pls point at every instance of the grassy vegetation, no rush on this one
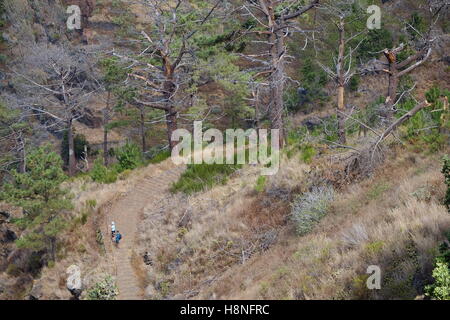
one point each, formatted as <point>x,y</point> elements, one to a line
<point>160,157</point>
<point>261,184</point>
<point>201,177</point>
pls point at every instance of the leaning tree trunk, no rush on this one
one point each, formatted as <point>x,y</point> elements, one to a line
<point>171,121</point>
<point>277,83</point>
<point>70,140</point>
<point>393,84</point>
<point>171,111</point>
<point>341,84</point>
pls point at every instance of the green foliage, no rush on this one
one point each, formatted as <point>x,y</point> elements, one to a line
<point>426,126</point>
<point>103,290</point>
<point>310,207</point>
<point>354,83</point>
<point>39,193</point>
<point>200,177</point>
<point>440,289</point>
<point>261,184</point>
<point>102,174</point>
<point>375,41</point>
<point>405,53</point>
<point>129,157</point>
<point>446,172</point>
<point>113,72</point>
<point>416,26</point>
<point>313,79</point>
<point>374,248</point>
<point>160,156</point>
<point>223,69</point>
<point>307,153</point>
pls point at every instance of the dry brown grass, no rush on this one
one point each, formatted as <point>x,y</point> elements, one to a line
<point>396,224</point>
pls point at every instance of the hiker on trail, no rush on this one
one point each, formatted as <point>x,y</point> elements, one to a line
<point>118,237</point>
<point>113,229</point>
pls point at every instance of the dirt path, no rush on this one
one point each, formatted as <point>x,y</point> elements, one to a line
<point>126,213</point>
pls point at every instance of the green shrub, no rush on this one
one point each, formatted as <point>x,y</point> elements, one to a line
<point>129,157</point>
<point>426,126</point>
<point>440,289</point>
<point>416,24</point>
<point>103,290</point>
<point>354,83</point>
<point>310,207</point>
<point>307,153</point>
<point>314,80</point>
<point>102,174</point>
<point>261,184</point>
<point>375,41</point>
<point>200,177</point>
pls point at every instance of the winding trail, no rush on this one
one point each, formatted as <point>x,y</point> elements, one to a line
<point>126,213</point>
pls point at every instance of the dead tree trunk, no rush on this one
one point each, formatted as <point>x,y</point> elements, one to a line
<point>341,84</point>
<point>106,115</point>
<point>395,72</point>
<point>70,140</point>
<point>275,29</point>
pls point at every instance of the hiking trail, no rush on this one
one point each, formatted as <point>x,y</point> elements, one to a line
<point>126,213</point>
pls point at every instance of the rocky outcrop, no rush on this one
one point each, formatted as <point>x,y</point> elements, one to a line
<point>74,283</point>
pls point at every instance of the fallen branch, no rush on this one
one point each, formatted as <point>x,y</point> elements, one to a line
<point>397,123</point>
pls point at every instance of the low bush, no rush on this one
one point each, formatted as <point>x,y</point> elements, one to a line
<point>310,207</point>
<point>307,153</point>
<point>103,290</point>
<point>129,157</point>
<point>440,289</point>
<point>102,174</point>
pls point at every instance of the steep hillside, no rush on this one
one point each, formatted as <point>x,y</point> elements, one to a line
<point>361,179</point>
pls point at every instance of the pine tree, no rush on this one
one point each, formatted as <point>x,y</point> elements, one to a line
<point>38,191</point>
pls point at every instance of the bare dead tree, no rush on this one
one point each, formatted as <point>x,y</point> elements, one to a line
<point>397,69</point>
<point>275,20</point>
<point>340,12</point>
<point>162,68</point>
<point>54,82</point>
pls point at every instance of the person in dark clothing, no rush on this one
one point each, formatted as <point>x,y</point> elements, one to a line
<point>118,237</point>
